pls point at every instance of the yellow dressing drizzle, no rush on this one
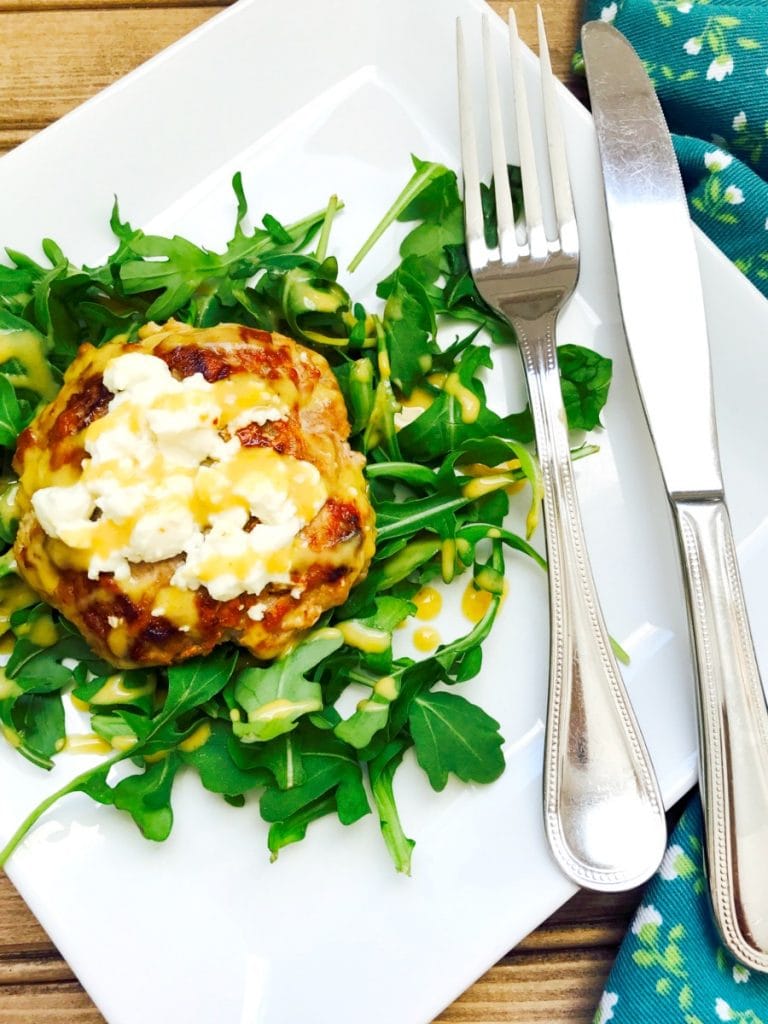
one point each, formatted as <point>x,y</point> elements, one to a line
<point>384,368</point>
<point>8,687</point>
<point>385,687</point>
<point>482,485</point>
<point>469,402</point>
<point>280,707</point>
<point>364,638</point>
<point>114,691</point>
<point>426,639</point>
<point>196,739</point>
<point>11,736</point>
<point>25,346</point>
<point>14,594</point>
<point>41,631</point>
<point>418,399</point>
<point>475,603</point>
<point>123,742</point>
<point>86,743</point>
<point>429,603</point>
<point>159,755</point>
<point>448,560</point>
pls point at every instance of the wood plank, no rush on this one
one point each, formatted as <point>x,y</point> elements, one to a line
<point>50,62</point>
<point>17,6</point>
<point>64,1003</point>
<point>529,988</point>
<point>19,930</point>
<point>31,968</point>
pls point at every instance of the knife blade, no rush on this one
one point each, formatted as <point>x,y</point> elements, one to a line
<point>662,306</point>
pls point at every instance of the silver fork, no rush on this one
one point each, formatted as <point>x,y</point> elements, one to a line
<point>602,809</point>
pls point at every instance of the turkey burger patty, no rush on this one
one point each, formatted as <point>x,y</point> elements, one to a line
<point>190,488</point>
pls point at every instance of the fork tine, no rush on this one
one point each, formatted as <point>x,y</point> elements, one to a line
<point>477,251</point>
<point>505,217</point>
<point>558,163</point>
<point>537,239</point>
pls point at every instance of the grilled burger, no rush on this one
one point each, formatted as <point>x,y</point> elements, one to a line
<point>193,487</point>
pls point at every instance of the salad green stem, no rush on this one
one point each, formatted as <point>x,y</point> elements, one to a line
<point>422,177</point>
<point>325,231</point>
<point>35,814</point>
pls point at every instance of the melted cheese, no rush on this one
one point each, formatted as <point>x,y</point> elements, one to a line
<point>167,477</point>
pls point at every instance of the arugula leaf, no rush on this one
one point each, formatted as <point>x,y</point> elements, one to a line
<point>39,720</point>
<point>586,377</point>
<point>452,735</point>
<point>147,797</point>
<point>409,324</point>
<point>173,266</point>
<point>196,681</point>
<point>275,698</point>
<point>216,766</point>
<point>37,669</point>
<point>329,765</point>
<point>495,452</point>
<point>281,757</point>
<point>399,519</point>
<point>372,714</point>
<point>315,306</point>
<point>381,771</point>
<point>405,206</point>
<point>355,378</point>
<point>294,828</point>
<point>445,425</point>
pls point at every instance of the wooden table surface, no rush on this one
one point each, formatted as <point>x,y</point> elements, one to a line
<point>54,54</point>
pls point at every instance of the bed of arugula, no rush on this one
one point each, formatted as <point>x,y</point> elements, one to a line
<point>310,761</point>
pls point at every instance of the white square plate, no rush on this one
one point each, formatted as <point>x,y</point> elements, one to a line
<point>308,99</point>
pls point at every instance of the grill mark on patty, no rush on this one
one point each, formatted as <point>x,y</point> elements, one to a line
<point>187,360</point>
<point>336,522</point>
<point>86,404</point>
<point>282,435</point>
<point>319,575</point>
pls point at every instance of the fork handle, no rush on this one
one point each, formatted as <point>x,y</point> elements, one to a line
<point>733,728</point>
<point>602,808</point>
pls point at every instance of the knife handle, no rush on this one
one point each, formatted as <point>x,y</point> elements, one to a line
<point>733,729</point>
<point>603,811</point>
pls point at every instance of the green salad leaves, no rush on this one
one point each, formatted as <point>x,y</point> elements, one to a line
<point>324,729</point>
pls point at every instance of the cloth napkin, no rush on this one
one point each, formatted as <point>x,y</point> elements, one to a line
<point>709,63</point>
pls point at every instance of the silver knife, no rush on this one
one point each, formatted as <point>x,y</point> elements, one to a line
<point>663,313</point>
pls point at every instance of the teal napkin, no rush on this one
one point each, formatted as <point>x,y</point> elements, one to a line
<point>709,63</point>
<point>672,967</point>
